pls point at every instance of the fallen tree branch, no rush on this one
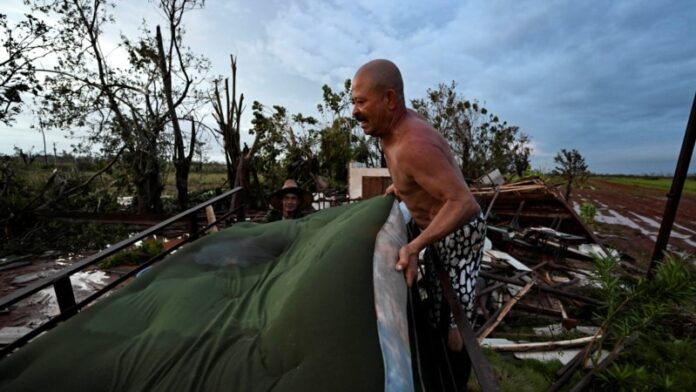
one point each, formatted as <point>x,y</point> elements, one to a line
<point>45,188</point>
<point>87,182</point>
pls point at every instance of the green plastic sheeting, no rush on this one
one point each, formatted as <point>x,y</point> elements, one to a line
<point>284,306</point>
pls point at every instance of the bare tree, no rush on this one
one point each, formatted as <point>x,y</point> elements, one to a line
<point>167,61</point>
<point>238,156</point>
<point>228,116</point>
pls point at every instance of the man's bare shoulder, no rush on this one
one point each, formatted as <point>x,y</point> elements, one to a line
<point>419,137</point>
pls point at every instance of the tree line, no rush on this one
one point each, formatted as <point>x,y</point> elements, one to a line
<point>150,111</point>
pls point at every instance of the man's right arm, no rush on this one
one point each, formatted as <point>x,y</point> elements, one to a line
<point>430,169</point>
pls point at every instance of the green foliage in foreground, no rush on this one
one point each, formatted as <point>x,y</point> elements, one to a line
<point>652,182</point>
<point>660,313</point>
<point>653,364</point>
<point>135,256</point>
<point>517,375</point>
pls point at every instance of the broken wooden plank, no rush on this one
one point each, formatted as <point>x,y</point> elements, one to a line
<point>210,215</point>
<point>504,311</point>
<point>541,345</point>
<point>482,368</point>
<point>530,308</point>
<point>564,355</point>
<point>507,258</point>
<point>566,372</point>
<point>542,287</point>
<point>498,285</point>
<point>585,381</point>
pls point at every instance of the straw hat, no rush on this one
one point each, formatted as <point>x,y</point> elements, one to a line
<point>290,186</point>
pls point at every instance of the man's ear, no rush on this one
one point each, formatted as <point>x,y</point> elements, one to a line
<point>391,98</point>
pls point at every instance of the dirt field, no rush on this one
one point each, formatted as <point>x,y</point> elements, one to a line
<point>629,217</point>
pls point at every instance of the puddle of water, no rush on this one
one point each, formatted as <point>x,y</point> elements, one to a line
<point>612,217</point>
<point>88,280</point>
<point>684,228</point>
<point>674,234</point>
<point>651,222</point>
<point>600,204</point>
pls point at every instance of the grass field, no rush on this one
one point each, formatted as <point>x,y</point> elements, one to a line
<point>198,181</point>
<point>37,175</point>
<point>651,182</point>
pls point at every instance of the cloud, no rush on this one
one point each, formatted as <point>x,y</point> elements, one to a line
<point>590,76</point>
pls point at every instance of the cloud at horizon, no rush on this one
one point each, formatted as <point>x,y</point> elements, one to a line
<point>612,80</point>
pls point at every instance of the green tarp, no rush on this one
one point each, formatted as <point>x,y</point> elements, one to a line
<point>285,306</point>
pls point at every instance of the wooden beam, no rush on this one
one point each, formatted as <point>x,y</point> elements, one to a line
<point>541,346</point>
<point>542,287</point>
<point>210,215</point>
<point>585,381</point>
<point>482,368</point>
<point>539,310</point>
<point>504,311</point>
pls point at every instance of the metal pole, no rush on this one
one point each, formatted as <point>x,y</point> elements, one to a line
<point>675,192</point>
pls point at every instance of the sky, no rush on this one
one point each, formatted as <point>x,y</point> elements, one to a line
<point>614,80</point>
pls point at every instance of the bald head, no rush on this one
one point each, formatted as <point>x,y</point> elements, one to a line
<point>382,75</point>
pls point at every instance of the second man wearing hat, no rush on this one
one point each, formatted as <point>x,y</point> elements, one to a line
<point>288,202</point>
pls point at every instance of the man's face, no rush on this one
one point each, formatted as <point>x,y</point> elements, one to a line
<point>369,107</point>
<point>290,203</point>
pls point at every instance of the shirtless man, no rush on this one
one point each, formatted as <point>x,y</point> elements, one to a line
<point>427,179</point>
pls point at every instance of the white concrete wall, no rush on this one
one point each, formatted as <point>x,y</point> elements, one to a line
<point>355,175</point>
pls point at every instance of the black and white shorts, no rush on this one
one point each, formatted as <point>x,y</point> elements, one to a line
<point>460,254</point>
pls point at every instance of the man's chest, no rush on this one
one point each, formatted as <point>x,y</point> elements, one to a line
<point>402,181</point>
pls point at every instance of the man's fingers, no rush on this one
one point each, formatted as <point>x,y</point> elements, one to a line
<point>409,273</point>
<point>408,263</point>
<point>401,265</point>
<point>410,276</point>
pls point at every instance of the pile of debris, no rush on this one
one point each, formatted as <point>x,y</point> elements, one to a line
<point>537,271</point>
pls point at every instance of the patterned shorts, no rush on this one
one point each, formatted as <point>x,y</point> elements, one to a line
<point>460,253</point>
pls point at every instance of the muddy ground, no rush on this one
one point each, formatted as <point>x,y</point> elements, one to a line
<point>628,218</point>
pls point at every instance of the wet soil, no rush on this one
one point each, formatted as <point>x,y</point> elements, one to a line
<point>39,307</point>
<point>629,217</point>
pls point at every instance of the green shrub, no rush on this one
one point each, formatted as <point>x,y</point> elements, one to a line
<point>136,255</point>
<point>661,313</point>
<point>588,213</point>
